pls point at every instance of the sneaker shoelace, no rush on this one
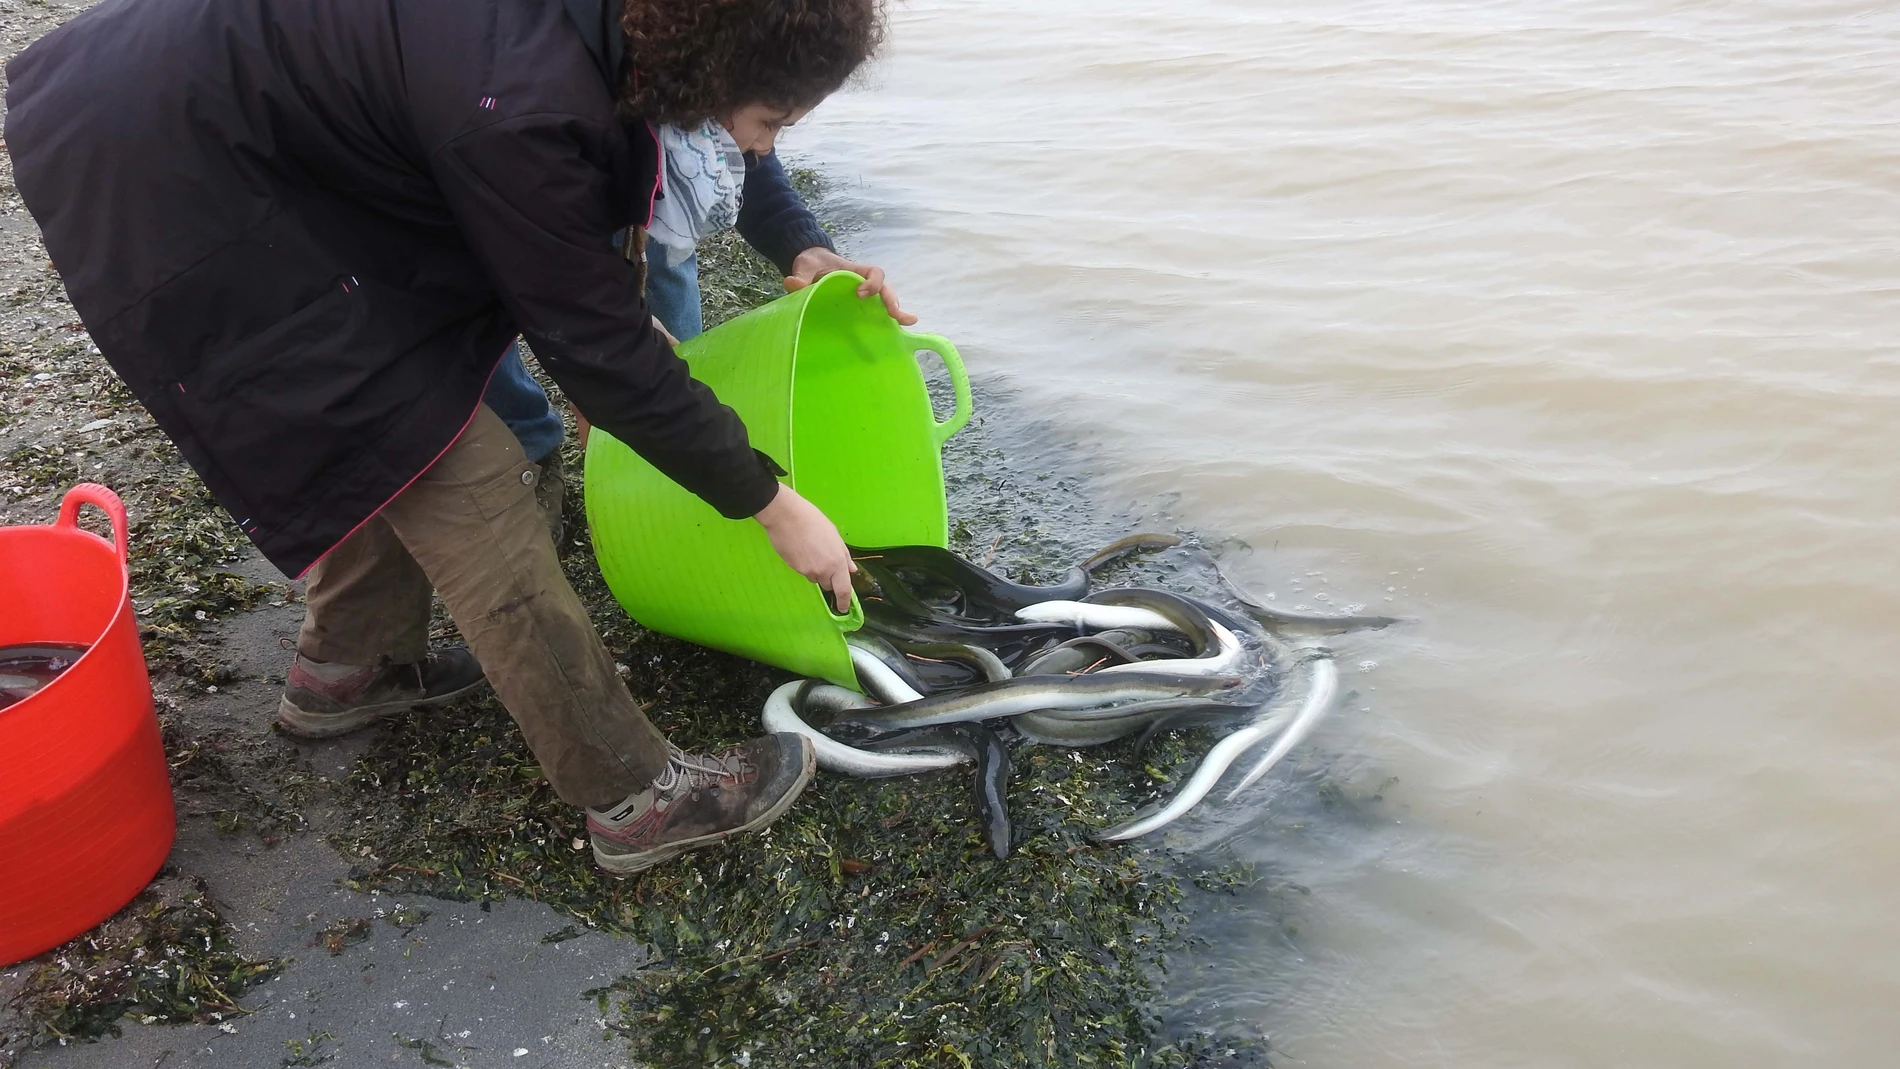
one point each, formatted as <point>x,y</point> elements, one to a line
<point>689,771</point>
<point>410,675</point>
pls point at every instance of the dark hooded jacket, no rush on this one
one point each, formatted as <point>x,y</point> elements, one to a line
<point>304,233</point>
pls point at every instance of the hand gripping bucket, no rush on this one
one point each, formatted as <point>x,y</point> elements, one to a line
<point>85,796</point>
<point>828,385</point>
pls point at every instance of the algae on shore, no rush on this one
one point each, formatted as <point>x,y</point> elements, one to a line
<point>165,959</point>
<point>868,927</point>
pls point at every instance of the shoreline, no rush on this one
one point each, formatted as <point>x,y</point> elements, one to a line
<point>361,885</point>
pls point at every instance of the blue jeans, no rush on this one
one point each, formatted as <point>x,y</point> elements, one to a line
<point>672,293</point>
<point>523,405</point>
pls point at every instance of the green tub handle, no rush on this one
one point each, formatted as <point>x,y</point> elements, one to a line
<point>850,621</point>
<point>959,379</point>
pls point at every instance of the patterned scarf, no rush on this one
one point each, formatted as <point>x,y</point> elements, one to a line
<point>704,181</point>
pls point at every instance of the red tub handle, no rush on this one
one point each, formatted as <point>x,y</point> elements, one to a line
<point>108,503</point>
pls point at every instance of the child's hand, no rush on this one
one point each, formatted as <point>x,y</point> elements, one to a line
<point>817,262</point>
<point>810,544</point>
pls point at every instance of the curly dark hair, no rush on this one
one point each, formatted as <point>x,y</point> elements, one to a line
<point>692,60</point>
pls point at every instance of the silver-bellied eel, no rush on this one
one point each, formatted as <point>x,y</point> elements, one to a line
<point>835,756</point>
<point>1268,719</point>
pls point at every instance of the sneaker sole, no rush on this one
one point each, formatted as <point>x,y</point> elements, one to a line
<point>304,724</point>
<point>628,864</point>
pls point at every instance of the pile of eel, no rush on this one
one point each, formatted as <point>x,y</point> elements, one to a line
<point>954,660</point>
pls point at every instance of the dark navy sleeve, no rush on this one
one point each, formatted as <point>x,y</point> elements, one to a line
<point>773,218</point>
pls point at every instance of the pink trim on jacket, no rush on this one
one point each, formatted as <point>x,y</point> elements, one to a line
<point>425,468</point>
<point>659,173</point>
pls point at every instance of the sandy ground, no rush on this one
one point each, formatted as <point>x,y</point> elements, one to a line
<point>459,984</point>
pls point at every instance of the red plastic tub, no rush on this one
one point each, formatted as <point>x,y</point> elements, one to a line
<point>85,797</point>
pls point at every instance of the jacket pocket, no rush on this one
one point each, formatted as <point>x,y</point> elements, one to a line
<point>313,330</point>
<point>293,407</point>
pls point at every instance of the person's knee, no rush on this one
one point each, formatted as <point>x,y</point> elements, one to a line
<point>485,450</point>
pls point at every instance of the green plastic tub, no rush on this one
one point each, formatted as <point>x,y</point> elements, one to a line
<point>829,386</point>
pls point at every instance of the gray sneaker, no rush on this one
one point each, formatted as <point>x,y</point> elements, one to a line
<point>697,800</point>
<point>322,700</point>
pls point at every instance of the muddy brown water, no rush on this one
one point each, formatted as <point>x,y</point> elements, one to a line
<point>1570,330</point>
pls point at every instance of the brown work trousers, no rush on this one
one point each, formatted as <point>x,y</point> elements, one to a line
<point>470,529</point>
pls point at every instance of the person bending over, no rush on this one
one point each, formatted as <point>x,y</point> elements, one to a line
<point>768,213</point>
<point>305,234</point>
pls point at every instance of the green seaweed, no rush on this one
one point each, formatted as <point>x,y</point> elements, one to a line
<point>240,786</point>
<point>167,958</point>
<point>408,918</point>
<point>561,935</point>
<point>869,924</point>
<point>423,1047</point>
<point>308,1051</point>
<point>341,934</point>
<point>182,549</point>
<point>868,927</point>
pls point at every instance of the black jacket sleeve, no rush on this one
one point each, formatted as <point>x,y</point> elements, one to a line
<point>534,197</point>
<point>773,218</point>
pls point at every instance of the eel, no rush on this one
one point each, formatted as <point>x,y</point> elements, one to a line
<point>881,679</point>
<point>981,591</point>
<point>783,711</point>
<point>1092,617</point>
<point>1224,658</point>
<point>1268,719</point>
<point>988,664</point>
<point>1184,614</point>
<point>1319,622</point>
<point>1036,694</point>
<point>1057,729</point>
<point>1321,696</point>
